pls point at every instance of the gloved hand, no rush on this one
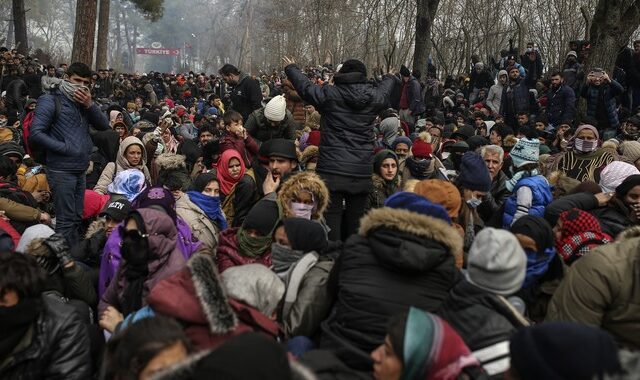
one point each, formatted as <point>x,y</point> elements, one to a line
<point>58,245</point>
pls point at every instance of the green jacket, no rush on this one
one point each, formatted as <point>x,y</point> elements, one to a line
<point>603,289</point>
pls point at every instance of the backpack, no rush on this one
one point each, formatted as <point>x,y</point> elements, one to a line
<point>228,205</point>
<point>38,152</point>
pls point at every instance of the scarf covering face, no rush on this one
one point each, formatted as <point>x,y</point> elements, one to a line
<point>283,258</point>
<point>68,89</point>
<point>225,179</point>
<point>541,232</point>
<point>432,349</point>
<point>581,232</point>
<point>210,206</point>
<point>135,269</point>
<point>252,246</point>
<point>581,147</point>
<point>256,246</point>
<point>129,183</point>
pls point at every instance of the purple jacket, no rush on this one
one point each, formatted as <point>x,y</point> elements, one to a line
<point>110,261</point>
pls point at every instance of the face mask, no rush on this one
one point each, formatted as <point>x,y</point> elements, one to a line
<point>302,210</point>
<point>585,146</point>
<point>473,203</point>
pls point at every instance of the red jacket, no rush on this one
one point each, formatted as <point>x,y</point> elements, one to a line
<point>228,255</point>
<point>248,148</point>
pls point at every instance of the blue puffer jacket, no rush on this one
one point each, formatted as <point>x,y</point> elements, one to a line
<point>541,192</point>
<point>67,141</point>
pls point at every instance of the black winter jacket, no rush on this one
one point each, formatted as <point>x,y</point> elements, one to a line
<point>399,259</point>
<point>259,128</point>
<point>484,321</point>
<point>561,106</point>
<point>58,348</point>
<point>246,96</point>
<point>348,111</point>
<point>491,209</point>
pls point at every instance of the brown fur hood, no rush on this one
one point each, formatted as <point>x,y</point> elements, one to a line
<point>304,181</point>
<point>95,227</point>
<point>413,223</point>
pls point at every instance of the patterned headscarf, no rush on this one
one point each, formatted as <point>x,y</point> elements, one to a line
<point>432,349</point>
<point>129,183</point>
<point>581,232</point>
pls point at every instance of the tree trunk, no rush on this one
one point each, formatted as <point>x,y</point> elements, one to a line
<point>425,13</point>
<point>20,26</point>
<point>85,31</point>
<point>613,23</point>
<point>103,35</point>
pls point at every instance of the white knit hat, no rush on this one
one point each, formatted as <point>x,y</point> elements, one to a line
<point>614,173</point>
<point>276,109</point>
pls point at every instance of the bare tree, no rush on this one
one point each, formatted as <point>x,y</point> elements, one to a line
<point>425,14</point>
<point>20,26</point>
<point>103,34</point>
<point>85,32</point>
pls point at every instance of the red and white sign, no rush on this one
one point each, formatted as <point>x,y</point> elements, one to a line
<point>158,51</point>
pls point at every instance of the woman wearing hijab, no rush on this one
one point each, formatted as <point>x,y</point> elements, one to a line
<point>149,254</point>
<point>385,178</point>
<point>200,209</point>
<point>131,155</point>
<point>421,345</point>
<point>159,199</point>
<point>298,254</point>
<point>584,160</point>
<point>115,117</point>
<point>544,266</point>
<point>231,169</point>
<point>250,243</point>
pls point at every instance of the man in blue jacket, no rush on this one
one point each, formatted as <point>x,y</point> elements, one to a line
<point>348,108</point>
<point>561,104</point>
<point>61,127</point>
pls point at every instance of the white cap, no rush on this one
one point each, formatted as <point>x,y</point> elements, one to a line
<point>276,109</point>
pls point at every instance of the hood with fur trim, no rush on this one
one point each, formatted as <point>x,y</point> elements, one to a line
<point>304,181</point>
<point>406,239</point>
<point>171,161</point>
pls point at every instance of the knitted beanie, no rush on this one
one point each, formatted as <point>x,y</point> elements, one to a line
<point>562,350</point>
<point>474,174</point>
<point>421,149</point>
<point>614,173</point>
<point>401,140</point>
<point>418,204</point>
<point>630,151</point>
<point>496,262</point>
<point>441,192</point>
<point>526,151</point>
<point>276,109</point>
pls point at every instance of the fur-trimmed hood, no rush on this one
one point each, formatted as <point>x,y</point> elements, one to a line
<point>628,234</point>
<point>424,228</point>
<point>304,181</point>
<point>196,295</point>
<point>95,227</point>
<point>171,161</point>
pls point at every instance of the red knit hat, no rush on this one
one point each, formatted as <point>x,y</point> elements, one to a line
<point>421,149</point>
<point>314,138</point>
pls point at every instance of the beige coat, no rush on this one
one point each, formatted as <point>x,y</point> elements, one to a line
<point>201,226</point>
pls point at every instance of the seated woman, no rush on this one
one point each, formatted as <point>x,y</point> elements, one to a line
<point>420,345</point>
<point>386,180</point>
<point>200,209</point>
<point>250,243</point>
<point>156,198</point>
<point>131,155</point>
<point>230,170</point>
<point>149,254</point>
<point>299,257</point>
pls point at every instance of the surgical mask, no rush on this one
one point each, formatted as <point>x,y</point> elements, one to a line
<point>302,210</point>
<point>474,203</point>
<point>585,146</point>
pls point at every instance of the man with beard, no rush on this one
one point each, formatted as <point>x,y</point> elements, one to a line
<point>246,96</point>
<point>277,159</point>
<point>490,210</point>
<point>516,97</point>
<point>561,103</point>
<point>40,337</point>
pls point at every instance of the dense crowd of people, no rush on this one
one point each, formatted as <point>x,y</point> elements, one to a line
<point>321,222</point>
